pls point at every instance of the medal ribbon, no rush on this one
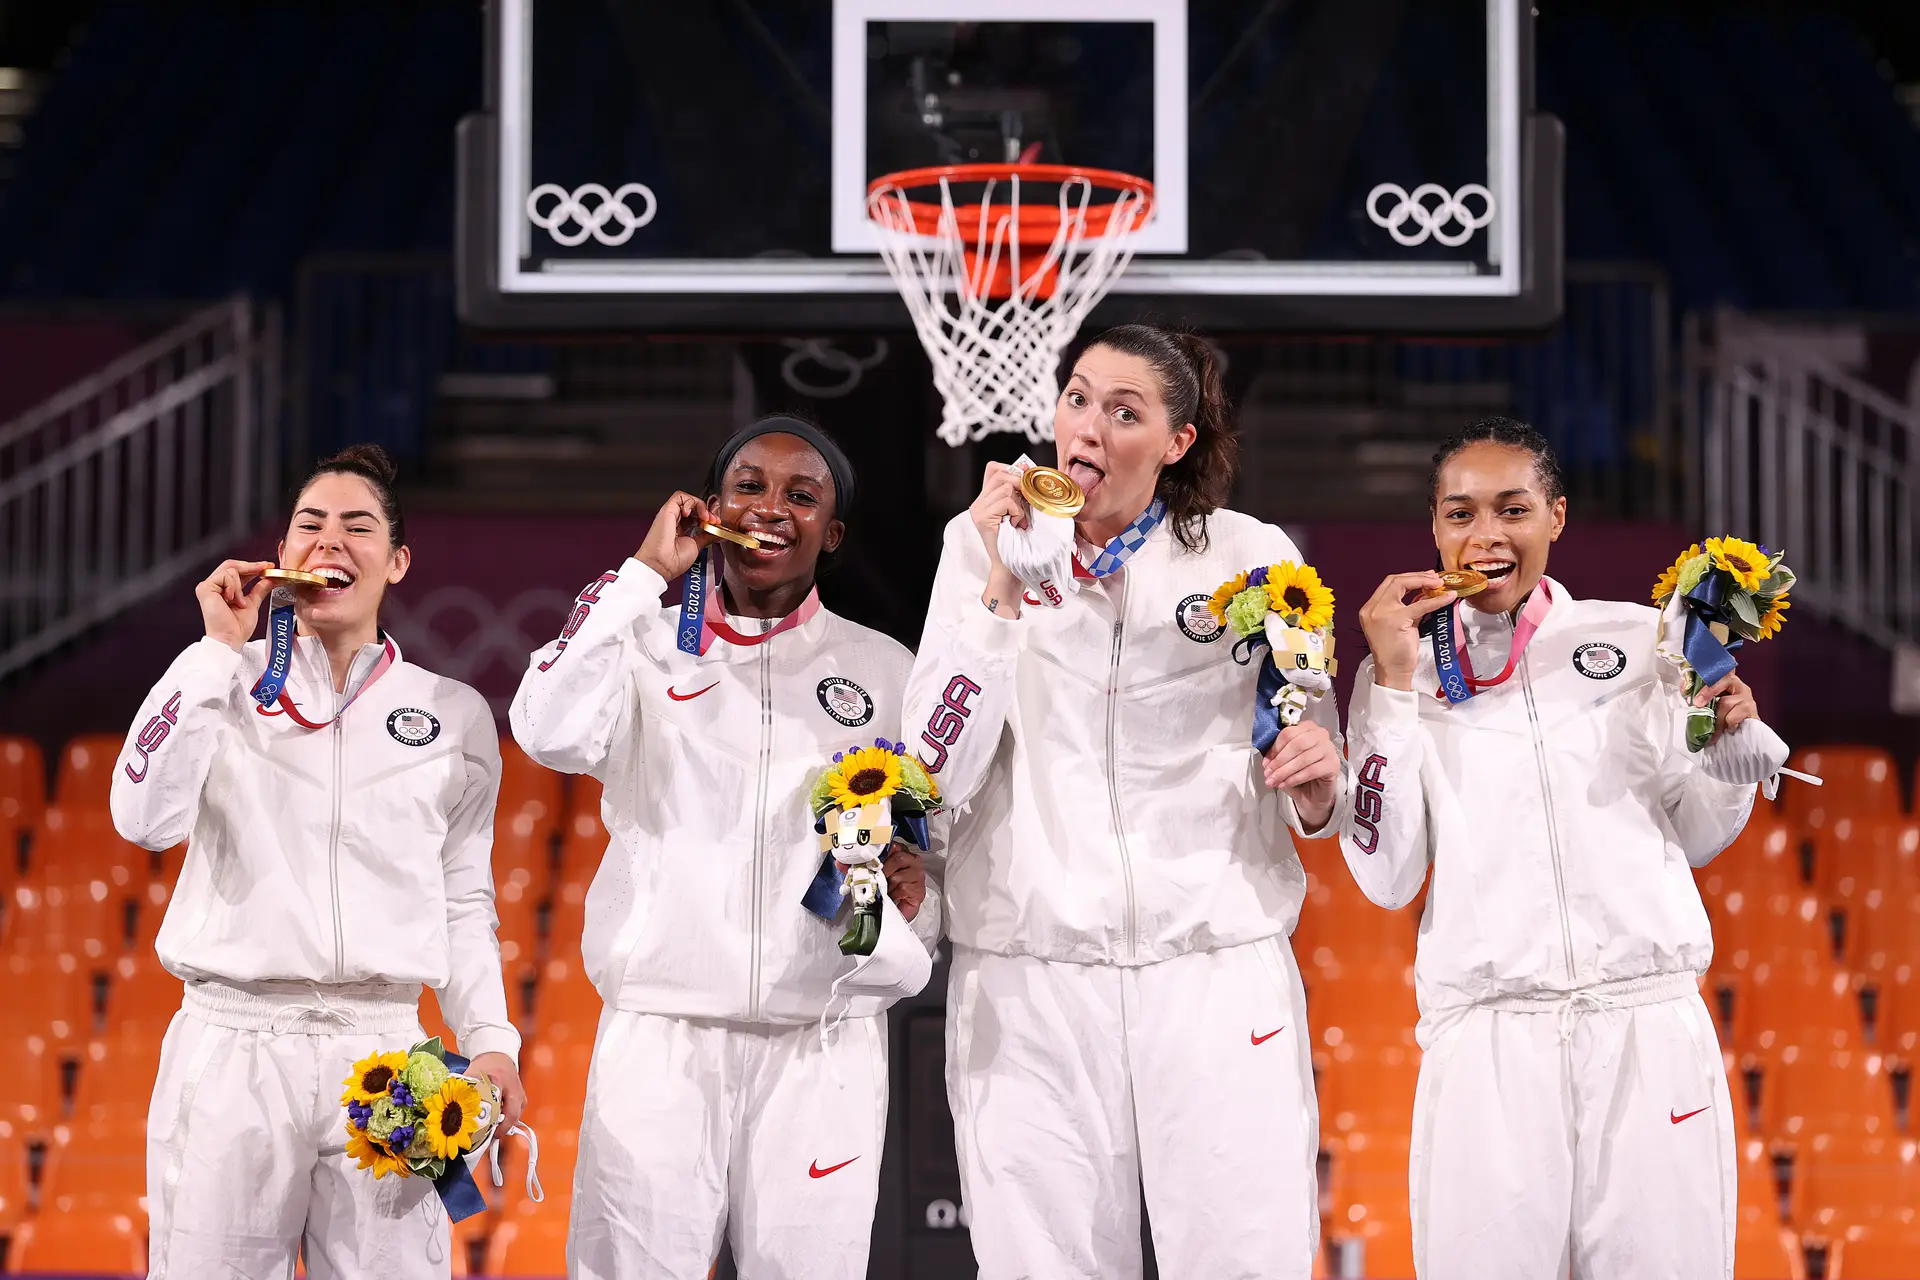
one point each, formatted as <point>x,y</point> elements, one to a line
<point>1455,668</point>
<point>1129,540</point>
<point>698,631</point>
<point>272,685</point>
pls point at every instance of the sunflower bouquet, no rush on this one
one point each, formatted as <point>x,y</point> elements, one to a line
<point>1715,596</point>
<point>856,804</point>
<point>414,1114</point>
<point>1286,608</point>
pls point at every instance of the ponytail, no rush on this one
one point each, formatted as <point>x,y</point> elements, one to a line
<point>1190,387</point>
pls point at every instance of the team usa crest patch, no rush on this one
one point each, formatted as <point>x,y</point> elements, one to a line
<point>1196,620</point>
<point>1599,660</point>
<point>845,701</point>
<point>412,727</point>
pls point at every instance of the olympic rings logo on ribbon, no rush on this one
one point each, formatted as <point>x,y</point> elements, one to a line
<point>1448,221</point>
<point>572,207</point>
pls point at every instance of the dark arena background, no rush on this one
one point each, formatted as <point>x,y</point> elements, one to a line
<point>237,236</point>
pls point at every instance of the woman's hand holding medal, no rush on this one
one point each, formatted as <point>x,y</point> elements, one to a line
<point>999,500</point>
<point>675,541</point>
<point>1391,620</point>
<point>229,608</point>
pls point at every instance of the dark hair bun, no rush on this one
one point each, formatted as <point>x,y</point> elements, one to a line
<point>371,457</point>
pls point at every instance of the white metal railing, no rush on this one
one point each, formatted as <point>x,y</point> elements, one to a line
<point>135,474</point>
<point>1798,453</point>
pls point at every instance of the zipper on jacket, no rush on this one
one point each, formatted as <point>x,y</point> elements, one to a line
<point>1553,826</point>
<point>1113,763</point>
<point>760,827</point>
<point>333,834</point>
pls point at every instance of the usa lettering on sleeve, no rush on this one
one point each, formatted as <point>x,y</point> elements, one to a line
<point>1369,802</point>
<point>947,722</point>
<point>582,607</point>
<point>152,734</point>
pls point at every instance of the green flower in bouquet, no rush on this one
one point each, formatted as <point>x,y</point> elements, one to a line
<point>388,1115</point>
<point>424,1074</point>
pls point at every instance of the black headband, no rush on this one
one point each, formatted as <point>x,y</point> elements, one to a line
<point>779,424</point>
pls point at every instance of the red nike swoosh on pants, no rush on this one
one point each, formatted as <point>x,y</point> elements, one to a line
<point>1690,1115</point>
<point>815,1171</point>
<point>689,697</point>
<point>1260,1040</point>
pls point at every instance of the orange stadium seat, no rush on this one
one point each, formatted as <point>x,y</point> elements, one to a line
<point>86,1241</point>
<point>1859,782</point>
<point>14,1191</point>
<point>1842,1183</point>
<point>150,913</point>
<point>1880,1253</point>
<point>23,781</point>
<point>1898,1012</point>
<point>555,1073</point>
<point>1812,1006</point>
<point>565,1004</point>
<point>29,1083</point>
<point>1369,1201</point>
<point>141,994</point>
<point>432,1021</point>
<point>521,855</point>
<point>527,789</point>
<point>99,1163</point>
<point>72,843</point>
<point>582,843</point>
<point>85,778</point>
<point>1763,1247</point>
<point>1841,1093</point>
<point>47,995</point>
<point>518,910</point>
<point>1765,856</point>
<point>117,1073</point>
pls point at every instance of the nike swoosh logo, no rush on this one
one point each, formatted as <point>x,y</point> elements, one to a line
<point>1690,1115</point>
<point>1260,1040</point>
<point>815,1171</point>
<point>689,697</point>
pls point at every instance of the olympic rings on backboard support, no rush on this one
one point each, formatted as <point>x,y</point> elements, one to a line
<point>572,207</point>
<point>1431,219</point>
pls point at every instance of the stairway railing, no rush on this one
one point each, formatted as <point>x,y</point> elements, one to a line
<point>134,474</point>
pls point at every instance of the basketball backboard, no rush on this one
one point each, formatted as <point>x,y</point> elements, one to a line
<point>1316,164</point>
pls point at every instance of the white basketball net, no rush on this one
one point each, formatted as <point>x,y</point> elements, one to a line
<point>994,358</point>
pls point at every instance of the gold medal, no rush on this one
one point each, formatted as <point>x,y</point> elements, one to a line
<point>295,577</point>
<point>734,536</point>
<point>1462,582</point>
<point>1051,492</point>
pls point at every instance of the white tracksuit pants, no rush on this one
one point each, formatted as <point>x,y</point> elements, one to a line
<point>1073,1086</point>
<point>1594,1132</point>
<point>693,1126</point>
<point>246,1140</point>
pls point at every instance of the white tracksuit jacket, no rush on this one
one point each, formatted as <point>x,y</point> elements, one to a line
<point>1561,811</point>
<point>359,853</point>
<point>1117,813</point>
<point>707,762</point>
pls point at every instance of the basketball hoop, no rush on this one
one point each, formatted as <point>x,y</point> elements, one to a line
<point>999,264</point>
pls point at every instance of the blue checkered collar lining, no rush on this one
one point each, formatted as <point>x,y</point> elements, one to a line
<point>1115,555</point>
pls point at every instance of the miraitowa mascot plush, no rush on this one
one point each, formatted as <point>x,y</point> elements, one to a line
<point>1288,610</point>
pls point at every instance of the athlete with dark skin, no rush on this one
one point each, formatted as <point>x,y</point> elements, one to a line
<point>777,488</point>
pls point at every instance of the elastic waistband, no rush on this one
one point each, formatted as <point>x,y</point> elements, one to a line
<point>306,1008</point>
<point>1621,994</point>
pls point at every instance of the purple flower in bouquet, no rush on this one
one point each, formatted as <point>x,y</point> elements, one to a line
<point>401,1095</point>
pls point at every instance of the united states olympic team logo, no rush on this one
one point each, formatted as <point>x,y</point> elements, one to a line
<point>1599,660</point>
<point>1430,210</point>
<point>1196,620</point>
<point>586,211</point>
<point>845,701</point>
<point>412,727</point>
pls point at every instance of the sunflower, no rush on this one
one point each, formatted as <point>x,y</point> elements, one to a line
<point>1670,578</point>
<point>1747,563</point>
<point>373,1155</point>
<point>372,1076</point>
<point>864,776</point>
<point>1774,618</point>
<point>453,1115</point>
<point>1296,591</point>
<point>1224,595</point>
